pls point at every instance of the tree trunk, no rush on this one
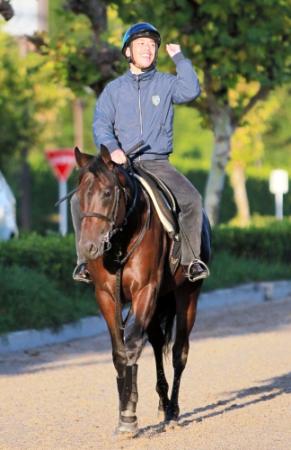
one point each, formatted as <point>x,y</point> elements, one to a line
<point>78,109</point>
<point>223,131</point>
<point>238,182</point>
<point>25,189</point>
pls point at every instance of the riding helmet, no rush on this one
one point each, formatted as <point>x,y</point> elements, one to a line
<point>142,29</point>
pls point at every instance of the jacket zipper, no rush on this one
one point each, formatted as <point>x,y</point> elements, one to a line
<point>139,105</point>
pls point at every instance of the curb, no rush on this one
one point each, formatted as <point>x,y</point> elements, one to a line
<point>252,293</point>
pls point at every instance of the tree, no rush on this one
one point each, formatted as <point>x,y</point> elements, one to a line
<point>248,145</point>
<point>229,42</point>
<point>79,45</point>
<point>29,102</point>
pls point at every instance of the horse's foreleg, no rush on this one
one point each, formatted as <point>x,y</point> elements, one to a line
<point>108,308</point>
<point>186,313</point>
<point>157,340</point>
<point>134,338</point>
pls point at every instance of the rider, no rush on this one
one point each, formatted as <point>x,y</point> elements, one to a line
<point>138,106</point>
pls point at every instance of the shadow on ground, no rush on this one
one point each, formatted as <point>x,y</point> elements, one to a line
<point>266,391</point>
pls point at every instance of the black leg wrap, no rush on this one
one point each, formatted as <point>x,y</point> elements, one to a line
<point>129,394</point>
<point>120,384</point>
<point>127,388</point>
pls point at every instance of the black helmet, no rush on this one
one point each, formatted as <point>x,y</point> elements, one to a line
<point>142,29</point>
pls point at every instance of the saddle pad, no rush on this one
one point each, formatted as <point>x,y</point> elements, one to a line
<point>168,226</point>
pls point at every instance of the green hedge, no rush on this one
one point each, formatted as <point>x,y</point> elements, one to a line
<point>55,257</point>
<point>37,289</point>
<point>51,255</point>
<point>29,299</point>
<point>269,244</point>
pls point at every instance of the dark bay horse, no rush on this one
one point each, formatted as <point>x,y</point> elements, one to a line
<point>128,259</point>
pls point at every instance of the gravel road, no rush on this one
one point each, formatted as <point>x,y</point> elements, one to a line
<point>234,392</point>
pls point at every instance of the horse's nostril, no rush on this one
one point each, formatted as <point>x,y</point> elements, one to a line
<point>90,248</point>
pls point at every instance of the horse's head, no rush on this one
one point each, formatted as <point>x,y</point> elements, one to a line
<point>102,199</point>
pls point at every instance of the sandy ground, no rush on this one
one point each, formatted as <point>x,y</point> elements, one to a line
<point>235,391</point>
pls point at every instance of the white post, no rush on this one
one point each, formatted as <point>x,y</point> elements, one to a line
<point>279,185</point>
<point>279,205</point>
<point>63,210</point>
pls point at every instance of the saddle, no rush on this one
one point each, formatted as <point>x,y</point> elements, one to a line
<point>167,210</point>
<point>163,200</point>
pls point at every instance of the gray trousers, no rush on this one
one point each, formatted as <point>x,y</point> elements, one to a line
<point>190,204</point>
<point>189,201</point>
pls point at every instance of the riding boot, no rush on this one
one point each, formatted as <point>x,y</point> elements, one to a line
<point>129,397</point>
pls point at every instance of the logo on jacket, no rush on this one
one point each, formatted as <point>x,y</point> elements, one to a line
<point>156,100</point>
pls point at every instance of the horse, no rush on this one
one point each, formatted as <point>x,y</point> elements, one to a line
<point>127,250</point>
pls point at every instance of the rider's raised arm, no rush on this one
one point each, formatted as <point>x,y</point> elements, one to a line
<point>186,86</point>
<point>103,122</point>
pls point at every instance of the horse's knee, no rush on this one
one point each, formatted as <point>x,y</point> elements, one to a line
<point>134,337</point>
<point>119,361</point>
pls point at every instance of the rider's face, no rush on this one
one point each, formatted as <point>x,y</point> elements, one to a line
<point>142,52</point>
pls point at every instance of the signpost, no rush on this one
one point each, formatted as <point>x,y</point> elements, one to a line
<point>278,185</point>
<point>62,162</point>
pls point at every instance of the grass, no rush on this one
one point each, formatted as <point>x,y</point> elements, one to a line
<point>227,271</point>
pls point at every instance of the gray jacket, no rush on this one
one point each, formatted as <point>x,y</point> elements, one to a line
<point>135,108</point>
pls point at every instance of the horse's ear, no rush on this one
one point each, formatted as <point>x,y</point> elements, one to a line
<point>82,159</point>
<point>105,155</point>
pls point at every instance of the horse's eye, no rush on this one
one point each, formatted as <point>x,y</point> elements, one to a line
<point>107,193</point>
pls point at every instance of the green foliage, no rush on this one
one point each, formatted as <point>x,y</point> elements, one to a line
<point>277,140</point>
<point>82,44</point>
<point>228,40</point>
<point>52,255</point>
<point>29,299</point>
<point>271,244</point>
<point>29,101</point>
<point>37,290</point>
<point>228,269</point>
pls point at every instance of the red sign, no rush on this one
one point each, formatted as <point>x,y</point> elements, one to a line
<point>62,161</point>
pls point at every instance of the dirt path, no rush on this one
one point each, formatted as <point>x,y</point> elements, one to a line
<point>234,393</point>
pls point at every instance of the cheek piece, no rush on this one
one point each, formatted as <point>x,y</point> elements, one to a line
<point>130,59</point>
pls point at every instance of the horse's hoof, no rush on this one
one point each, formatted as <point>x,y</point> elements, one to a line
<point>171,424</point>
<point>172,414</point>
<point>126,430</point>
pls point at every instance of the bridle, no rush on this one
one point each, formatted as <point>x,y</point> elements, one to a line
<point>112,217</point>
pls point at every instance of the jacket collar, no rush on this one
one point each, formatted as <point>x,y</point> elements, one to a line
<point>141,76</point>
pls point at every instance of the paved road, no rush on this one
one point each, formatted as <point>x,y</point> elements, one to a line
<point>235,392</point>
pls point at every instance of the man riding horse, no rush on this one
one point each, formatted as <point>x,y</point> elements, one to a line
<point>138,107</point>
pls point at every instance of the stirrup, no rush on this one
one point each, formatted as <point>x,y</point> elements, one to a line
<point>196,275</point>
